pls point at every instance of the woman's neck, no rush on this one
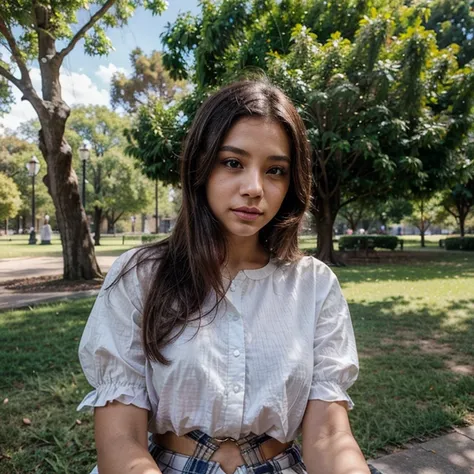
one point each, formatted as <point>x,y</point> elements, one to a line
<point>244,254</point>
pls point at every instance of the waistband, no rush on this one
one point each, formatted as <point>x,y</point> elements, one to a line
<point>249,447</point>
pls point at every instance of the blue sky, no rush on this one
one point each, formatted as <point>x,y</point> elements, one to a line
<point>86,79</point>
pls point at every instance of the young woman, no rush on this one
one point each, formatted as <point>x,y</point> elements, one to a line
<point>223,341</point>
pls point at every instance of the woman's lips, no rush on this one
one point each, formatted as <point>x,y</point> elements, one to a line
<point>246,216</point>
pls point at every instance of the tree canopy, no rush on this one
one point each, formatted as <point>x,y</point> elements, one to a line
<point>385,106</point>
<point>44,33</point>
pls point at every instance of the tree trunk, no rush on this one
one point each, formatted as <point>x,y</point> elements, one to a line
<point>422,225</point>
<point>79,260</point>
<point>97,223</point>
<point>110,223</point>
<point>325,214</point>
<point>422,234</point>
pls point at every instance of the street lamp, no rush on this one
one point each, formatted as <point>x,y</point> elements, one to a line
<point>84,153</point>
<point>33,168</point>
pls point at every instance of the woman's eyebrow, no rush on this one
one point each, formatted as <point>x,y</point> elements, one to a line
<point>239,151</point>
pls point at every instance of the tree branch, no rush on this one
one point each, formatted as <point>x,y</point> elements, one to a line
<point>7,75</point>
<point>80,34</point>
<point>16,54</point>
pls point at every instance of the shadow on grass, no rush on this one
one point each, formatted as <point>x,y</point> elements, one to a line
<point>455,265</point>
<point>42,379</point>
<point>409,384</point>
<point>406,389</point>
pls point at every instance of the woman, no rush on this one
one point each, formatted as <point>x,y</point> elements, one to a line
<point>223,341</point>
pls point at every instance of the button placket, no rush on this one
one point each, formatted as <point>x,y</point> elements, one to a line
<point>236,380</point>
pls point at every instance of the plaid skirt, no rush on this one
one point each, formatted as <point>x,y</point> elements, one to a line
<point>288,462</point>
<point>169,462</point>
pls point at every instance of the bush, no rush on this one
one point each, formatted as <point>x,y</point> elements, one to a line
<point>442,243</point>
<point>368,242</point>
<point>148,238</point>
<point>459,243</point>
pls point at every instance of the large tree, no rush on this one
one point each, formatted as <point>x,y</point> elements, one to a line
<point>385,107</point>
<point>40,33</point>
<point>148,82</point>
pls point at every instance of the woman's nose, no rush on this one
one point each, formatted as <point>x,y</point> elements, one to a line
<point>252,185</point>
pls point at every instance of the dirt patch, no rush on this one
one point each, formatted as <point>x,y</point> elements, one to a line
<point>50,284</point>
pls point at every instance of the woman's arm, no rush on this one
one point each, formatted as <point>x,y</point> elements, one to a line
<point>328,444</point>
<point>121,440</point>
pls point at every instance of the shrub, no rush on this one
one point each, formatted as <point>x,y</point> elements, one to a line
<point>147,238</point>
<point>459,243</point>
<point>368,242</point>
<point>442,243</point>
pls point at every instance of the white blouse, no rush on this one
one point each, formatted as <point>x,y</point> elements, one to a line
<point>284,336</point>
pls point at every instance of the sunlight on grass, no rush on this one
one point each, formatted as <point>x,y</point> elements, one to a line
<point>414,327</point>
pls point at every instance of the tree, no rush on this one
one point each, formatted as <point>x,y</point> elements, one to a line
<point>384,113</point>
<point>36,31</point>
<point>10,201</point>
<point>103,129</point>
<point>426,212</point>
<point>124,190</point>
<point>149,82</point>
<point>14,155</point>
<point>459,201</point>
<point>454,23</point>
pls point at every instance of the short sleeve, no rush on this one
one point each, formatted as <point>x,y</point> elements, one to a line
<point>111,351</point>
<point>336,364</point>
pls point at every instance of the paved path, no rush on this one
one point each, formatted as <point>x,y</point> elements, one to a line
<point>449,454</point>
<point>16,268</point>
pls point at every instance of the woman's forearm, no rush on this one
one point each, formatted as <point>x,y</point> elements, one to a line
<point>125,455</point>
<point>335,454</point>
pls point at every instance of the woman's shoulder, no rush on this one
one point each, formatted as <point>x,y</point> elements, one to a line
<point>307,267</point>
<point>135,267</point>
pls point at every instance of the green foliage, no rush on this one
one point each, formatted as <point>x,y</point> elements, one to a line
<point>459,243</point>
<point>363,242</point>
<point>149,238</point>
<point>153,141</point>
<point>149,82</point>
<point>14,155</point>
<point>453,22</point>
<point>10,200</point>
<point>115,185</point>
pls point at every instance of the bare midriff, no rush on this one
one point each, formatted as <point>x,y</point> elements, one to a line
<point>228,455</point>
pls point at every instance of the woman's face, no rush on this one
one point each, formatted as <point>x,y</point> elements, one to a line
<point>251,176</point>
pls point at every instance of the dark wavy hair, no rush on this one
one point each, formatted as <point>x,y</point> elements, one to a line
<point>187,265</point>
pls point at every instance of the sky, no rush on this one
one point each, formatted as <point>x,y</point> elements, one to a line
<point>85,79</point>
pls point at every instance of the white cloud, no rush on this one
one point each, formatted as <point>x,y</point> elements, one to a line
<point>106,72</point>
<point>76,89</point>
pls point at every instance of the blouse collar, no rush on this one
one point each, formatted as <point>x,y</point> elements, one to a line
<point>258,273</point>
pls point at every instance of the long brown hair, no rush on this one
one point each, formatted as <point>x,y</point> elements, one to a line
<point>188,263</point>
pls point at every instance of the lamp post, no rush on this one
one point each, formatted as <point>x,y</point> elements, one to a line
<point>33,168</point>
<point>84,153</point>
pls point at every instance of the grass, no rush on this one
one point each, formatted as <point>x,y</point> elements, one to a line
<point>414,327</point>
<point>17,246</point>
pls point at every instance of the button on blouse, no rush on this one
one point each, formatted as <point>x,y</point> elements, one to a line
<point>282,336</point>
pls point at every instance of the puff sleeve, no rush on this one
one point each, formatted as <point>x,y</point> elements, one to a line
<point>336,363</point>
<point>110,351</point>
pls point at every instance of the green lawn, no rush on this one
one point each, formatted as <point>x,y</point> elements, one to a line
<point>414,327</point>
<point>17,246</point>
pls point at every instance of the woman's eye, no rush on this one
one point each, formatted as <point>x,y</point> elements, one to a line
<point>277,171</point>
<point>231,163</point>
